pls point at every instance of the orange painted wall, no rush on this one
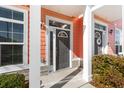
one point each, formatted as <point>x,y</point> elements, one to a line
<point>78,37</point>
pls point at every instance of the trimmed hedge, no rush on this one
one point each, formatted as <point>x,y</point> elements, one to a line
<point>12,81</point>
<point>108,71</point>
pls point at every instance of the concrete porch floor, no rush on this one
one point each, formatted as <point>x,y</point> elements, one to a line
<point>65,78</point>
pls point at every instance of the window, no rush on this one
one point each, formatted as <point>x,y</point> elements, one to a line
<point>100,27</point>
<point>117,37</point>
<point>118,41</point>
<point>11,36</point>
<point>59,24</point>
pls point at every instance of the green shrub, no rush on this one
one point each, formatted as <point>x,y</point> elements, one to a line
<point>108,71</point>
<point>12,81</point>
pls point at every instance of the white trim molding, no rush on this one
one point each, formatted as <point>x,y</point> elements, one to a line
<point>96,7</point>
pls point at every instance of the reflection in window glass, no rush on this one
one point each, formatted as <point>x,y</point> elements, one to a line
<point>17,37</point>
<point>11,54</point>
<point>18,28</point>
<point>6,13</point>
<point>5,26</point>
<point>5,37</point>
<point>17,54</point>
<point>18,15</point>
<point>117,37</point>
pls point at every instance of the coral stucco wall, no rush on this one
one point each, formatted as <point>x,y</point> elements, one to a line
<point>113,25</point>
<point>78,37</point>
<point>111,39</point>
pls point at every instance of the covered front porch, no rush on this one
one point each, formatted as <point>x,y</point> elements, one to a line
<point>61,77</point>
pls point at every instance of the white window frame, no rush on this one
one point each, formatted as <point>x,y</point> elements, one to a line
<point>25,33</point>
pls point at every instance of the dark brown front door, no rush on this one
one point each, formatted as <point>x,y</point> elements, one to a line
<point>62,48</point>
<point>98,42</point>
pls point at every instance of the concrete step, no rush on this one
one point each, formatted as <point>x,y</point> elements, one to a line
<point>44,68</point>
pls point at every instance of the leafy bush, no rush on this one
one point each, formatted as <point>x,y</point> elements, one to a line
<point>12,81</point>
<point>108,71</point>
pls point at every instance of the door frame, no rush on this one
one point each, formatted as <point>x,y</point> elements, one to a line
<point>104,51</point>
<point>48,29</point>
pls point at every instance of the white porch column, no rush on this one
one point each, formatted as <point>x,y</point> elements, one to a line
<point>123,30</point>
<point>87,44</point>
<point>35,31</point>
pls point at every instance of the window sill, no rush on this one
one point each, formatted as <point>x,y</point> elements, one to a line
<point>11,68</point>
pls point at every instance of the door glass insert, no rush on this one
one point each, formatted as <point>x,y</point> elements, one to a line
<point>63,34</point>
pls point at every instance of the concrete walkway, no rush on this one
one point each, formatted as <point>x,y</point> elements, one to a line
<point>87,85</point>
<point>66,78</point>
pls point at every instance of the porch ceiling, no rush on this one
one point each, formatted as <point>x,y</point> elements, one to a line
<point>69,10</point>
<point>110,12</point>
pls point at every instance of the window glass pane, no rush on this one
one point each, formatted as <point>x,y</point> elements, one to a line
<point>6,13</point>
<point>117,37</point>
<point>11,54</point>
<point>5,26</point>
<point>18,15</point>
<point>17,59</point>
<point>59,24</point>
<point>17,28</point>
<point>18,49</point>
<point>17,37</point>
<point>6,55</point>
<point>5,37</point>
<point>17,54</point>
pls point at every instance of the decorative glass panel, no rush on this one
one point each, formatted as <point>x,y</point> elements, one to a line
<point>6,13</point>
<point>18,15</point>
<point>63,34</point>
